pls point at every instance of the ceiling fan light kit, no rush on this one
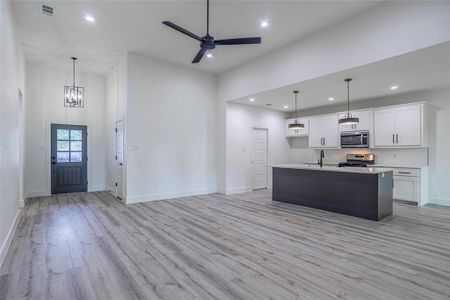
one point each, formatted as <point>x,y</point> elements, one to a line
<point>296,125</point>
<point>208,42</point>
<point>348,119</point>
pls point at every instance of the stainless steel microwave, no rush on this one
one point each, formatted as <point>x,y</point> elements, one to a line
<point>355,139</point>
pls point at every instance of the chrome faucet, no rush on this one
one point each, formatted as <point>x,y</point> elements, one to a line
<point>322,155</point>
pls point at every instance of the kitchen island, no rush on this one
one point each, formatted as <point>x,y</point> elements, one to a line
<point>360,192</point>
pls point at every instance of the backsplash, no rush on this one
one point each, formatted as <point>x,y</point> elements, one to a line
<point>394,157</point>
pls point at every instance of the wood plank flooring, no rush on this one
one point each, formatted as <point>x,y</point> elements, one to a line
<point>90,246</point>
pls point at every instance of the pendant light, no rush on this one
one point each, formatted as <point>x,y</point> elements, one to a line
<point>348,119</point>
<point>296,125</point>
<point>73,95</point>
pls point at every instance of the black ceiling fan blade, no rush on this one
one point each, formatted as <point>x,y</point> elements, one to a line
<point>182,30</point>
<point>199,55</point>
<point>241,41</point>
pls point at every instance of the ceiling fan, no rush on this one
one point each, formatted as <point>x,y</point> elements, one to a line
<point>208,42</point>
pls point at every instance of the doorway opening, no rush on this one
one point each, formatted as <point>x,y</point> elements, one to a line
<point>259,158</point>
<point>68,158</point>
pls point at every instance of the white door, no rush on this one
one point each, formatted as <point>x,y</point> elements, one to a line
<point>259,158</point>
<point>330,131</point>
<point>119,159</point>
<point>315,133</point>
<point>408,125</point>
<point>385,127</point>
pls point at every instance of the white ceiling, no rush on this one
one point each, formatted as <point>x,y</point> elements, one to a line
<point>136,26</point>
<point>420,70</point>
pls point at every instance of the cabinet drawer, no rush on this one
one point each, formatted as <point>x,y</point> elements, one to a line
<point>407,172</point>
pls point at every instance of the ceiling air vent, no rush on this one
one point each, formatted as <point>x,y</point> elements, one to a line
<point>47,10</point>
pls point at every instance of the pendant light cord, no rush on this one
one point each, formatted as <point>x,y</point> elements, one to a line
<point>207,17</point>
<point>348,98</point>
<point>73,72</point>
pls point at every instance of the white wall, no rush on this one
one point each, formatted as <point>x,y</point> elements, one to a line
<point>386,30</point>
<point>11,80</point>
<point>437,155</point>
<point>44,101</point>
<point>241,119</point>
<point>170,130</point>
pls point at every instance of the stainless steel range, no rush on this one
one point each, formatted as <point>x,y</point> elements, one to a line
<point>358,160</point>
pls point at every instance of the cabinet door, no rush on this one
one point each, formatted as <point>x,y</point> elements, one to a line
<point>406,188</point>
<point>408,125</point>
<point>384,127</point>
<point>315,133</point>
<point>330,131</point>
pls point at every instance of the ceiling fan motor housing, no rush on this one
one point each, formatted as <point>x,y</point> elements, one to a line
<point>208,42</point>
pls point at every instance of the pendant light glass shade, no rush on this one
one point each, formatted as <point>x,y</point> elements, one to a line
<point>296,125</point>
<point>73,95</point>
<point>348,119</point>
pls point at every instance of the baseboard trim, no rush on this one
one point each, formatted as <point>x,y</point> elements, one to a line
<point>9,237</point>
<point>238,190</point>
<point>96,188</point>
<point>165,196</point>
<point>440,201</point>
<point>36,194</point>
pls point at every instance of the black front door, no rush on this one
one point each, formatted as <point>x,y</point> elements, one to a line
<point>69,158</point>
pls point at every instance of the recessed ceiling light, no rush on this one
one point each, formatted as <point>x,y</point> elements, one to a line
<point>209,55</point>
<point>394,87</point>
<point>252,99</point>
<point>331,99</point>
<point>89,18</point>
<point>285,106</point>
<point>264,24</point>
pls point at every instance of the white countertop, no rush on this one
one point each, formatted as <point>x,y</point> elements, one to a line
<point>330,168</point>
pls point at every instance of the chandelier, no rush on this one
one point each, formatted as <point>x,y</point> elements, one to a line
<point>73,95</point>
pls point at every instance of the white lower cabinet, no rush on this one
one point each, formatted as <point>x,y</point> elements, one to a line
<point>406,188</point>
<point>411,184</point>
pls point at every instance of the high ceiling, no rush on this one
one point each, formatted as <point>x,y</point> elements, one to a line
<point>136,26</point>
<point>425,69</point>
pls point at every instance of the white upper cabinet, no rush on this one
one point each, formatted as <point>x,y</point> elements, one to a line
<point>324,132</point>
<point>297,132</point>
<point>399,126</point>
<point>364,121</point>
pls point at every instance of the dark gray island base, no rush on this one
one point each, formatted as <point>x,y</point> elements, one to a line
<point>365,193</point>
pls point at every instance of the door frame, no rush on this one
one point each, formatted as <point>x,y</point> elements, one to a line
<point>48,152</point>
<point>266,130</point>
<point>116,166</point>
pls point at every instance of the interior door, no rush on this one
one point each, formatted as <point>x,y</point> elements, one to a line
<point>408,125</point>
<point>385,127</point>
<point>68,158</point>
<point>259,158</point>
<point>119,159</point>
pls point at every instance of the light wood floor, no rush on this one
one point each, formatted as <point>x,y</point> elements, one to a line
<point>90,246</point>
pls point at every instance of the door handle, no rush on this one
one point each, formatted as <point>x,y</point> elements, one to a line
<point>53,162</point>
<point>120,164</point>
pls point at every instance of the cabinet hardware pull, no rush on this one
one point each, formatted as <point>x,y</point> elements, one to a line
<point>393,138</point>
<point>397,137</point>
<point>402,172</point>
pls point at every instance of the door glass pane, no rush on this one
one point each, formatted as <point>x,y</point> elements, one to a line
<point>75,135</point>
<point>62,146</point>
<point>62,157</point>
<point>75,146</point>
<point>62,134</point>
<point>75,156</point>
